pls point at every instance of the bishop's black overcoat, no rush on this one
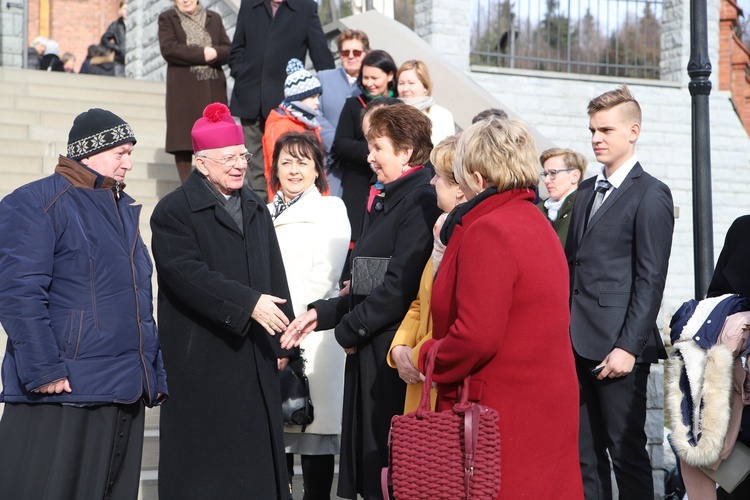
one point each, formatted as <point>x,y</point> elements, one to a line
<point>222,434</point>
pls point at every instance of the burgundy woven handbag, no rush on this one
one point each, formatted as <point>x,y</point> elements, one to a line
<point>451,454</point>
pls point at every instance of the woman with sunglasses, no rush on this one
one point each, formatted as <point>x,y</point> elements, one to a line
<point>562,171</point>
<point>338,85</point>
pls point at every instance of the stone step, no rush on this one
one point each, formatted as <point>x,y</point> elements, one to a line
<point>124,86</point>
<point>124,109</point>
<point>149,485</point>
<point>80,94</point>
<point>150,459</point>
<point>138,188</point>
<point>146,134</point>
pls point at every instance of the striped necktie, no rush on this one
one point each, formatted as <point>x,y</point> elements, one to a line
<point>601,191</point>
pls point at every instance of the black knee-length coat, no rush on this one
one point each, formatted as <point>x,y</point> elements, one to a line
<point>222,434</point>
<point>373,391</point>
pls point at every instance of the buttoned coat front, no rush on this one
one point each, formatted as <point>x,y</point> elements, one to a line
<point>314,239</point>
<point>618,268</point>
<point>400,228</point>
<point>222,435</point>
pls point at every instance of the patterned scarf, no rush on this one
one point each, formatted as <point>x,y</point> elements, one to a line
<point>279,205</point>
<point>302,112</point>
<point>195,30</point>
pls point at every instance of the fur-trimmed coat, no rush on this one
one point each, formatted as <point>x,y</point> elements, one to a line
<point>709,338</point>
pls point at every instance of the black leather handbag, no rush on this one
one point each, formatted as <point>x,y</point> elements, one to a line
<point>296,405</point>
<point>367,273</point>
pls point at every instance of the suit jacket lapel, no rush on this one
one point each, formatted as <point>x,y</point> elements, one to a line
<point>585,196</point>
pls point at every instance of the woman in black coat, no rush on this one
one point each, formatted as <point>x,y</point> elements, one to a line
<point>376,79</point>
<point>732,275</point>
<point>401,211</point>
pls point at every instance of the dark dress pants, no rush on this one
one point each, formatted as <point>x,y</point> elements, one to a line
<point>255,177</point>
<point>613,418</point>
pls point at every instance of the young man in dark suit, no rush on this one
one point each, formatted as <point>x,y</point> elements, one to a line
<point>268,34</point>
<point>618,255</point>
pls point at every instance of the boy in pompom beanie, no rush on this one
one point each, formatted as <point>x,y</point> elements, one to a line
<point>298,112</point>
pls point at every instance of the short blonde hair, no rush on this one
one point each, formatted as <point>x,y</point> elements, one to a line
<point>420,68</point>
<point>571,159</point>
<point>501,151</point>
<point>442,157</point>
<point>621,95</point>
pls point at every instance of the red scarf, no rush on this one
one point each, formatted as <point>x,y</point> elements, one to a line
<point>375,192</point>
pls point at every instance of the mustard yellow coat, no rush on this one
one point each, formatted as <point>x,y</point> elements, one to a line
<point>415,329</point>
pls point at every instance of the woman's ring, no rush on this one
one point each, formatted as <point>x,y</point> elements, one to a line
<point>270,323</point>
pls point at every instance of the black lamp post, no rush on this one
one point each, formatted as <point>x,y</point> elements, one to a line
<point>699,69</point>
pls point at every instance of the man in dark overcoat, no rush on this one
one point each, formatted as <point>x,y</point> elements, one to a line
<point>269,33</point>
<point>222,294</point>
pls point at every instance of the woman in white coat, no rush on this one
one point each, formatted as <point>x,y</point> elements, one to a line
<point>415,89</point>
<point>313,233</point>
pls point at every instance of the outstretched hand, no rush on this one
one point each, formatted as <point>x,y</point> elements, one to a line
<point>299,329</point>
<point>269,315</point>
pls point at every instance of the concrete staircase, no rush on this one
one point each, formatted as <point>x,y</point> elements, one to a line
<point>36,112</point>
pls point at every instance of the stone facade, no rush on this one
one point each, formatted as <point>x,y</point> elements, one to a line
<point>11,33</point>
<point>445,24</point>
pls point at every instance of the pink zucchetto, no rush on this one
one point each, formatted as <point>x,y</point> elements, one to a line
<point>216,129</point>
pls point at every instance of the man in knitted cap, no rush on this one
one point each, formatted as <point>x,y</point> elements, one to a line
<point>298,112</point>
<point>83,355</point>
<point>223,297</point>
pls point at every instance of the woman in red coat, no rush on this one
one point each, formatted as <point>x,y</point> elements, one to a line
<point>500,306</point>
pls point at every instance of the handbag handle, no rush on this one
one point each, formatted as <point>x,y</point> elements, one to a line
<point>424,402</point>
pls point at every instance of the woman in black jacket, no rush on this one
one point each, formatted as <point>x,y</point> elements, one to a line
<point>400,212</point>
<point>376,79</point>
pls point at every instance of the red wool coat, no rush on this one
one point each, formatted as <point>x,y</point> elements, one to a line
<point>500,304</point>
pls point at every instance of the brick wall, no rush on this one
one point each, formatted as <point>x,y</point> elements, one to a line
<point>74,24</point>
<point>733,61</point>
